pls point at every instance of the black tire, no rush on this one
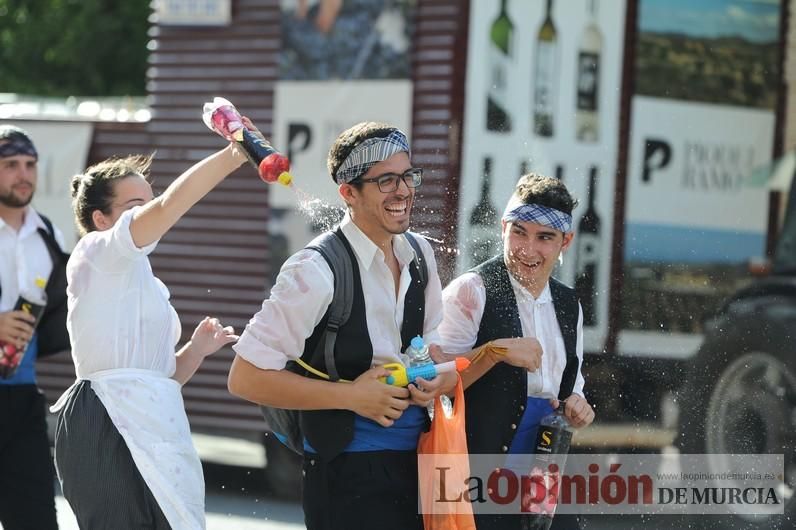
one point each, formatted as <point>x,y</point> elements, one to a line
<point>739,397</point>
<point>282,469</point>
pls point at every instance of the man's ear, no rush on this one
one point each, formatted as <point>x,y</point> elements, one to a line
<point>568,237</point>
<point>347,193</point>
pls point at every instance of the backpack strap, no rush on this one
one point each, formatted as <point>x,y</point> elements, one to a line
<point>420,259</point>
<point>338,255</point>
<point>56,253</point>
<point>48,224</point>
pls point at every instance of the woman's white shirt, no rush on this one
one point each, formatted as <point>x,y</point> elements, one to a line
<point>119,312</point>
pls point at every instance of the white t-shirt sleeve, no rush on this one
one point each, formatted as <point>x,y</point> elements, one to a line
<point>463,302</point>
<point>113,250</point>
<point>298,301</point>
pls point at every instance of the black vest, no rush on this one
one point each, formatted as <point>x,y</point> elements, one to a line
<point>330,431</point>
<point>496,401</point>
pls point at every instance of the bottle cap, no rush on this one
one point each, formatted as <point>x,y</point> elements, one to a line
<point>417,343</point>
<point>285,178</point>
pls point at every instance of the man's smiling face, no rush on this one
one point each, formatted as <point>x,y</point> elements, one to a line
<point>380,214</point>
<point>531,250</point>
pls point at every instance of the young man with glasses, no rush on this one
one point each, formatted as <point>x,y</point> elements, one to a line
<point>360,439</point>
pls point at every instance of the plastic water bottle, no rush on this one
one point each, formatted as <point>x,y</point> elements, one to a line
<point>553,440</point>
<point>222,117</point>
<point>418,353</point>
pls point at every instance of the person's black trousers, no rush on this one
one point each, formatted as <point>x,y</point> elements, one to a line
<point>362,491</point>
<point>98,475</point>
<point>27,490</point>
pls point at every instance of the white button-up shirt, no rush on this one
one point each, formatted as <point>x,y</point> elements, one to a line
<point>24,257</point>
<point>304,289</point>
<point>119,312</point>
<point>464,300</point>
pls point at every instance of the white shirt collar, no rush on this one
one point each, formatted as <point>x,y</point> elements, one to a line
<point>367,250</point>
<point>32,222</point>
<point>524,295</point>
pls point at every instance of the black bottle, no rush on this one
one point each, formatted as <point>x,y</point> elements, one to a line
<point>553,440</point>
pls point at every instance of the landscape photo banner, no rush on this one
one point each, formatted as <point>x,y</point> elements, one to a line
<point>706,76</point>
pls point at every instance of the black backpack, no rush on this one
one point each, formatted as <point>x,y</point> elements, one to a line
<point>51,331</point>
<point>285,422</point>
<point>52,334</point>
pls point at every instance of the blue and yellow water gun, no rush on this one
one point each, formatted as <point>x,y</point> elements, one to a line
<point>403,376</point>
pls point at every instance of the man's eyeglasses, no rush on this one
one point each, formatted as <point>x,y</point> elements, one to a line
<point>388,182</point>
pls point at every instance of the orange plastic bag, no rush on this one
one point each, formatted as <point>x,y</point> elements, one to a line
<point>443,469</point>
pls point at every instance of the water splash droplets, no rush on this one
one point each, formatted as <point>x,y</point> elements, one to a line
<point>322,215</point>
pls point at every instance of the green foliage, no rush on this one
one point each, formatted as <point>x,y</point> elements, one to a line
<point>73,47</point>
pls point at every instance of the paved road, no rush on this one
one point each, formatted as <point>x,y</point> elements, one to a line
<point>236,499</point>
<point>225,512</point>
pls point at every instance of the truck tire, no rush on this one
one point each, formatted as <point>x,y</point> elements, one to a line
<point>739,397</point>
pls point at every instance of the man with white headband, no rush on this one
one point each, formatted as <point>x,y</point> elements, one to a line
<point>359,439</point>
<point>512,302</point>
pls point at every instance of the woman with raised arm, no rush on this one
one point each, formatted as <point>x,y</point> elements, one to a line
<point>123,448</point>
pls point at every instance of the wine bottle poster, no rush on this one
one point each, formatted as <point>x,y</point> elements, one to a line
<point>700,127</point>
<point>542,95</point>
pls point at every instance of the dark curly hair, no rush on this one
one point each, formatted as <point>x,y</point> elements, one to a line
<point>94,188</point>
<point>546,191</point>
<point>352,137</point>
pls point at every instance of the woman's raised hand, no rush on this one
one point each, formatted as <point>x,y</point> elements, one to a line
<point>210,336</point>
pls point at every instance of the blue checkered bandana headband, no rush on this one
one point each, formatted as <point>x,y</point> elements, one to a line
<point>516,210</point>
<point>17,147</point>
<point>369,153</point>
